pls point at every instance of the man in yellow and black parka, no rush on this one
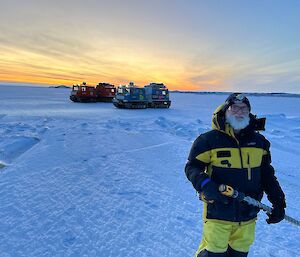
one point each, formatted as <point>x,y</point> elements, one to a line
<point>236,154</point>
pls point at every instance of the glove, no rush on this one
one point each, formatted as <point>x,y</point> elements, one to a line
<point>211,193</point>
<point>276,215</point>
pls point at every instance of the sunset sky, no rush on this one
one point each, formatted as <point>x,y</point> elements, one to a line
<point>212,45</point>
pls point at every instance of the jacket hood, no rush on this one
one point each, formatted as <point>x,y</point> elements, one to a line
<point>219,122</point>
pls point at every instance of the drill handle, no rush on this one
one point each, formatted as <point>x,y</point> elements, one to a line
<point>229,191</point>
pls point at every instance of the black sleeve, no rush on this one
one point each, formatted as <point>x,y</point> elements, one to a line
<point>270,183</point>
<point>194,168</point>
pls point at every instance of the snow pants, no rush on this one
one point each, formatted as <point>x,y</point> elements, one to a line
<point>225,238</point>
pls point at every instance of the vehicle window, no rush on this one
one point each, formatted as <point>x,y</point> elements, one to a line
<point>139,91</point>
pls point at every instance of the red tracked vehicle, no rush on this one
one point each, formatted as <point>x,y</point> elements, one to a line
<point>83,93</point>
<point>105,92</point>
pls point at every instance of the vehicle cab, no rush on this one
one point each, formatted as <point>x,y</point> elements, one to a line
<point>130,96</point>
<point>105,92</point>
<point>83,93</point>
<point>157,95</point>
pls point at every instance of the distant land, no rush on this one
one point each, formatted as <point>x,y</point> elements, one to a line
<point>279,94</point>
<point>215,93</point>
<point>60,86</point>
<point>227,93</point>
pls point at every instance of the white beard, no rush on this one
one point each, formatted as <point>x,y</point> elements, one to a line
<point>235,123</point>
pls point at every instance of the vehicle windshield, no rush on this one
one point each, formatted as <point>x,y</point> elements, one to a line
<point>132,91</point>
<point>121,90</point>
<point>136,91</point>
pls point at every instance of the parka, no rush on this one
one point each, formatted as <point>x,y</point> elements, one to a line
<point>241,161</point>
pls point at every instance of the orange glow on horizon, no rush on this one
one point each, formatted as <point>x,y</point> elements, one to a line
<point>17,65</point>
<point>70,82</point>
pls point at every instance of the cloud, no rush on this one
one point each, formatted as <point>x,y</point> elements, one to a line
<point>189,47</point>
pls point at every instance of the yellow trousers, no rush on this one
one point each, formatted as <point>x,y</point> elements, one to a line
<point>218,234</point>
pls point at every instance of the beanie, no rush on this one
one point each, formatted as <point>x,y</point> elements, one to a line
<point>236,98</point>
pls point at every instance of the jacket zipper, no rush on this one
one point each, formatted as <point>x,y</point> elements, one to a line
<point>249,168</point>
<point>248,160</point>
<point>237,214</point>
<point>238,144</point>
<point>240,151</point>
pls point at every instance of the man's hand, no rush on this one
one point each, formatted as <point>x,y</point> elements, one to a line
<point>211,193</point>
<point>276,215</point>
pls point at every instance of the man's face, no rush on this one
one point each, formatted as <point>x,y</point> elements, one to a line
<point>237,115</point>
<point>239,110</point>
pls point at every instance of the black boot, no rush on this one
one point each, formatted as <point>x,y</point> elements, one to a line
<point>234,253</point>
<point>205,253</point>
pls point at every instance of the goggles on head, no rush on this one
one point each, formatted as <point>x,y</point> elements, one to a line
<point>240,97</point>
<point>236,98</point>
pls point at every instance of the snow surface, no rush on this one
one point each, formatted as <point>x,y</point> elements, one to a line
<point>92,180</point>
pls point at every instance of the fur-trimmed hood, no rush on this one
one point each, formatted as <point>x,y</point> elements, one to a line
<point>219,122</point>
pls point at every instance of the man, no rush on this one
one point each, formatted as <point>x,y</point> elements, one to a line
<point>236,154</point>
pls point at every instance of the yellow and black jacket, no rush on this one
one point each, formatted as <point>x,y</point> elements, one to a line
<point>243,162</point>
